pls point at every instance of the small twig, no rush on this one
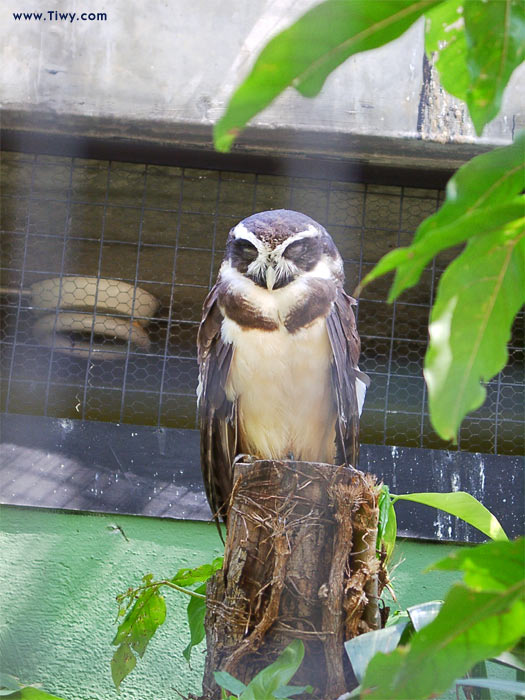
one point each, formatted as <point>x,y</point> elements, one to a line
<point>182,590</point>
<point>154,584</point>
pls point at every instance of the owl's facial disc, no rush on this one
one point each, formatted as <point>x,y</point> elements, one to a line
<point>275,268</point>
<point>274,248</point>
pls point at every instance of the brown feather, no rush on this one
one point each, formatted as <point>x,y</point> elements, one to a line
<point>217,415</point>
<point>344,339</point>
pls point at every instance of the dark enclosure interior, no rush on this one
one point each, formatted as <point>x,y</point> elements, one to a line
<point>105,266</point>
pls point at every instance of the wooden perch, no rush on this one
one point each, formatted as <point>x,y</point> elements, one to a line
<point>300,563</point>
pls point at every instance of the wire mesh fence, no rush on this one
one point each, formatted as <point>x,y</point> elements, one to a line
<point>105,266</point>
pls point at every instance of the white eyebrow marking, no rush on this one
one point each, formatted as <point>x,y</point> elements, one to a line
<point>240,231</point>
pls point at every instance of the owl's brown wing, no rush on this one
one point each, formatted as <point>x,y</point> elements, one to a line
<point>346,346</point>
<point>217,415</point>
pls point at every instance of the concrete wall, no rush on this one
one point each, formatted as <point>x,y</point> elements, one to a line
<point>177,62</point>
<point>59,578</point>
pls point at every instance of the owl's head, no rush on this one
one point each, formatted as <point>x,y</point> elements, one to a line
<point>274,248</point>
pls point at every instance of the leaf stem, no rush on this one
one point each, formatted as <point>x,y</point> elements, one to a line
<point>178,588</point>
<point>164,582</point>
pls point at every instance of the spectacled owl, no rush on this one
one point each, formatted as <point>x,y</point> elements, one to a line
<point>278,352</point>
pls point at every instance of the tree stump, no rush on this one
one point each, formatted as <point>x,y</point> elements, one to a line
<point>300,563</point>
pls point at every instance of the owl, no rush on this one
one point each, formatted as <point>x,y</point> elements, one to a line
<point>278,352</point>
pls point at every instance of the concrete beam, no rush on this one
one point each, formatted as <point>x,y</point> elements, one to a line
<point>169,67</point>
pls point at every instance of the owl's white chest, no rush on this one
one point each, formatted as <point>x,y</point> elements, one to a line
<point>282,384</point>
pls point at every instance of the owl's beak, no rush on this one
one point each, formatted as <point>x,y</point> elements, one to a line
<point>270,277</point>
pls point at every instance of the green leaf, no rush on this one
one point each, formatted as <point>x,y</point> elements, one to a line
<point>276,674</point>
<point>122,663</point>
<point>445,34</point>
<point>200,574</point>
<point>142,621</point>
<point>462,505</point>
<point>472,626</point>
<point>387,523</point>
<point>495,684</point>
<point>479,45</point>
<point>136,631</point>
<point>30,693</point>
<point>151,617</point>
<point>384,510</point>
<point>307,52</point>
<point>481,197</point>
<point>485,181</point>
<point>390,534</point>
<point>362,649</point>
<point>478,297</point>
<point>493,567</point>
<point>411,261</point>
<point>148,612</point>
<point>495,32</point>
<point>12,687</point>
<point>480,292</point>
<point>288,691</point>
<point>196,612</point>
<point>228,682</point>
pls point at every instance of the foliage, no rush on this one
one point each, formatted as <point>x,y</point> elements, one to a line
<point>479,44</point>
<point>462,505</point>
<point>305,54</point>
<point>11,687</point>
<point>480,292</point>
<point>477,56</point>
<point>458,503</point>
<point>470,325</point>
<point>271,682</point>
<point>196,612</point>
<point>480,618</point>
<point>481,197</point>
<point>144,610</point>
<point>387,523</point>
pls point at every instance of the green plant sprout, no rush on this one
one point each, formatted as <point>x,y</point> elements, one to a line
<point>270,683</point>
<point>144,611</point>
<point>480,618</point>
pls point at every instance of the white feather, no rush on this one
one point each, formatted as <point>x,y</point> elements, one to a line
<point>282,383</point>
<point>240,231</point>
<point>360,388</point>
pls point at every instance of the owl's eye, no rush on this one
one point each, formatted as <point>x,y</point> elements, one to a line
<point>304,253</point>
<point>245,250</point>
<point>297,249</point>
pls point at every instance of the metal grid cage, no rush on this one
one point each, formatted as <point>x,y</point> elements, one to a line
<point>105,266</point>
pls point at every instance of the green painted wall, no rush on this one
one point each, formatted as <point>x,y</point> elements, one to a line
<point>61,572</point>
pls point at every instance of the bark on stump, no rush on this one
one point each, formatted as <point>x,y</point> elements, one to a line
<point>300,563</point>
